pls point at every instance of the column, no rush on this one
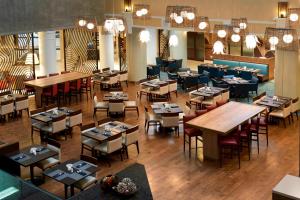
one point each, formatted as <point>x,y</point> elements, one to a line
<point>287,73</point>
<point>136,56</point>
<point>106,42</point>
<point>152,47</point>
<point>47,53</point>
<point>180,51</point>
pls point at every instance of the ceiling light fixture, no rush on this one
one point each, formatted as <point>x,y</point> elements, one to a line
<point>222,33</point>
<point>145,36</point>
<point>82,22</point>
<point>218,47</point>
<point>251,41</point>
<point>114,25</point>
<point>173,41</point>
<point>235,37</point>
<point>288,38</point>
<point>294,17</point>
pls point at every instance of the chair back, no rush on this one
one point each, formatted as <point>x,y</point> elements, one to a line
<point>54,146</point>
<point>36,111</point>
<point>190,82</point>
<point>89,159</point>
<point>50,107</point>
<point>7,107</point>
<point>217,98</point>
<point>245,75</point>
<point>114,143</point>
<point>87,126</point>
<point>75,118</point>
<point>105,69</point>
<point>65,72</point>
<point>96,71</point>
<point>66,87</point>
<point>225,95</point>
<point>123,76</point>
<point>40,77</point>
<point>113,79</point>
<point>170,119</point>
<point>295,104</point>
<point>172,85</point>
<point>21,103</point>
<point>53,74</point>
<point>54,90</point>
<point>232,72</point>
<point>58,124</point>
<point>131,135</point>
<point>104,121</point>
<point>164,88</point>
<point>116,105</point>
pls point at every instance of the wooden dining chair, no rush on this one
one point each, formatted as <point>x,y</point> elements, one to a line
<point>131,137</point>
<point>74,119</point>
<point>21,103</point>
<point>35,124</point>
<point>150,119</point>
<point>88,143</point>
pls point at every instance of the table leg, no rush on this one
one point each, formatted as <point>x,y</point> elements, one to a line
<point>210,146</point>
<point>32,173</point>
<point>66,191</point>
<point>38,96</point>
<point>72,190</point>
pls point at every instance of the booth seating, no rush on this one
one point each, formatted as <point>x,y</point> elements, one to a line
<point>263,74</point>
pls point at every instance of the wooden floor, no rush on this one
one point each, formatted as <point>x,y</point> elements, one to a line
<point>172,175</point>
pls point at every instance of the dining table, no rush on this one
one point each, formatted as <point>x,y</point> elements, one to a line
<point>247,69</point>
<point>40,84</point>
<point>31,155</point>
<point>162,108</point>
<point>47,116</point>
<point>211,65</point>
<point>9,97</point>
<point>221,121</point>
<point>153,83</point>
<point>70,172</point>
<point>102,132</point>
<point>274,102</point>
<point>186,74</point>
<point>208,92</point>
<point>115,96</point>
<point>235,81</point>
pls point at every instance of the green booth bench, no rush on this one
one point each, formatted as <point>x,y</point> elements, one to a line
<point>263,74</point>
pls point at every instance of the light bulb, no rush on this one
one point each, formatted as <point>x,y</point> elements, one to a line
<point>251,41</point>
<point>218,48</point>
<point>144,11</point>
<point>294,17</point>
<point>243,25</point>
<point>202,25</point>
<point>121,27</point>
<point>178,19</point>
<point>273,40</point>
<point>222,33</point>
<point>190,16</point>
<point>173,15</point>
<point>82,22</point>
<point>173,41</point>
<point>236,30</point>
<point>139,13</point>
<point>235,37</point>
<point>108,25</point>
<point>287,38</point>
<point>144,36</point>
<point>90,25</point>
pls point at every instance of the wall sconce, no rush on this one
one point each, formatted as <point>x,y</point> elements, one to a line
<point>282,9</point>
<point>127,6</point>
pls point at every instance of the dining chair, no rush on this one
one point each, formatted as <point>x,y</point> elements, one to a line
<point>111,82</point>
<point>226,95</point>
<point>231,142</point>
<point>295,108</point>
<point>53,74</point>
<point>262,122</point>
<point>57,125</point>
<point>212,100</point>
<point>113,144</point>
<point>172,87</point>
<point>86,182</point>
<point>88,143</point>
<point>211,107</point>
<point>190,133</point>
<point>123,77</point>
<point>35,124</point>
<point>150,119</point>
<point>64,92</point>
<point>131,106</point>
<point>162,91</point>
<point>116,106</point>
<point>51,94</point>
<point>170,120</point>
<point>74,119</point>
<point>143,90</point>
<point>221,102</point>
<point>75,89</point>
<point>6,109</point>
<point>21,103</point>
<point>106,69</point>
<point>283,113</point>
<point>131,137</point>
<point>100,106</point>
<point>86,86</point>
<point>52,161</point>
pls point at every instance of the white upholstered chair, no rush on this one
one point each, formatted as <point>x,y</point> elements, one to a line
<point>131,137</point>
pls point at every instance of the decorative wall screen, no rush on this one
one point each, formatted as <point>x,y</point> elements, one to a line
<point>81,52</point>
<point>13,70</point>
<point>164,50</point>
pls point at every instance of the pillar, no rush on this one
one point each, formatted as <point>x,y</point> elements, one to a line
<point>152,47</point>
<point>47,53</point>
<point>106,42</point>
<point>180,51</point>
<point>287,73</point>
<point>136,56</point>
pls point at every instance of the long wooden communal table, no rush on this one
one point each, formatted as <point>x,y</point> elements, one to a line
<point>39,84</point>
<point>221,121</point>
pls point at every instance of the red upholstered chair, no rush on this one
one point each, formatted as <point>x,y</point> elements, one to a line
<point>245,138</point>
<point>190,132</point>
<point>200,112</point>
<point>221,102</point>
<point>211,107</point>
<point>262,122</point>
<point>64,91</point>
<point>86,86</point>
<point>75,88</point>
<point>254,132</point>
<point>51,94</point>
<point>231,142</point>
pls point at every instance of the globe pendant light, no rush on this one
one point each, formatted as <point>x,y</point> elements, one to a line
<point>90,26</point>
<point>190,16</point>
<point>173,41</point>
<point>144,36</point>
<point>114,25</point>
<point>287,38</point>
<point>218,48</point>
<point>273,42</point>
<point>179,19</point>
<point>222,33</point>
<point>202,25</point>
<point>251,41</point>
<point>294,17</point>
<point>82,22</point>
<point>243,25</point>
<point>235,37</point>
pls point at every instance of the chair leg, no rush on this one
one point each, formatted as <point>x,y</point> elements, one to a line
<point>184,142</point>
<point>190,147</point>
<point>121,155</point>
<point>239,158</point>
<point>126,150</point>
<point>137,147</point>
<point>297,115</point>
<point>196,146</point>
<point>220,156</point>
<point>284,123</point>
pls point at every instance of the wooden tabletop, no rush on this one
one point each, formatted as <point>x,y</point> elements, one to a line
<point>225,118</point>
<point>46,82</point>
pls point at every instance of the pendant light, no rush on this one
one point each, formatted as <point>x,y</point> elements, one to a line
<point>173,41</point>
<point>114,25</point>
<point>288,38</point>
<point>218,47</point>
<point>144,36</point>
<point>235,37</point>
<point>251,41</point>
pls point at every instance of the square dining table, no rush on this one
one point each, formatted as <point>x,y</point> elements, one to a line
<point>80,170</point>
<point>208,91</point>
<point>47,116</point>
<point>40,84</point>
<point>274,103</point>
<point>221,121</point>
<point>115,96</point>
<point>162,108</point>
<point>25,158</point>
